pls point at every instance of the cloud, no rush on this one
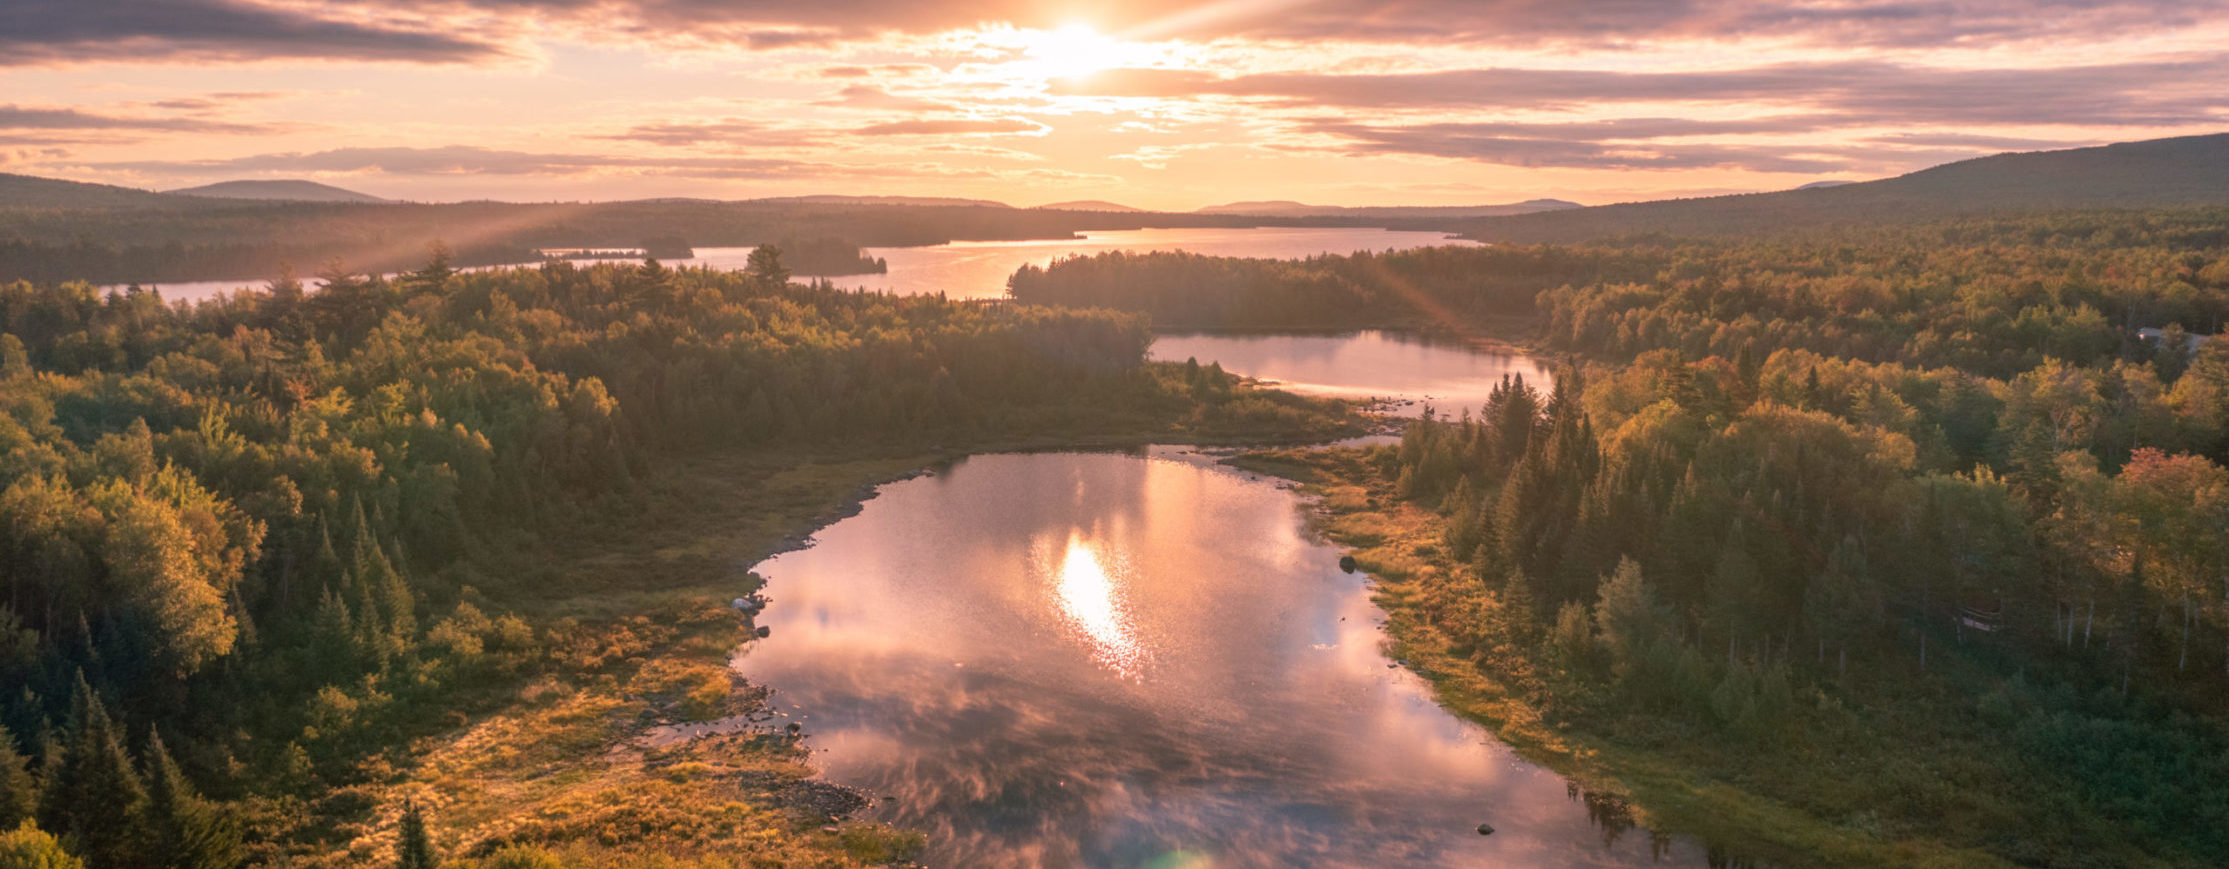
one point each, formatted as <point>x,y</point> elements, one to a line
<point>770,40</point>
<point>1470,142</point>
<point>867,96</point>
<point>467,160</point>
<point>37,32</point>
<point>2158,93</point>
<point>956,126</point>
<point>467,31</point>
<point>1516,23</point>
<point>729,131</point>
<point>20,118</point>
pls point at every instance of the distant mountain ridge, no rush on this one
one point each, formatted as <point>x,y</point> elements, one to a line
<point>1090,205</point>
<point>1288,208</point>
<point>287,190</point>
<point>28,191</point>
<point>2156,173</point>
<point>828,199</point>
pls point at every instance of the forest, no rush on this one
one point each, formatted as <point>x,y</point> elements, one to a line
<point>250,543</point>
<point>1923,505</point>
<point>1443,288</point>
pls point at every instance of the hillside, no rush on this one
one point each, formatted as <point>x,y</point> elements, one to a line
<point>292,190</point>
<point>25,191</point>
<point>1285,208</point>
<point>2159,173</point>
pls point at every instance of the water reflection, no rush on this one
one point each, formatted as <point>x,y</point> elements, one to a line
<point>979,269</point>
<point>1450,377</point>
<point>1091,602</point>
<point>1111,660</point>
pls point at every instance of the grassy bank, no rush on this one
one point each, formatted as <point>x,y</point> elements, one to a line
<point>1839,792</point>
<point>629,607</point>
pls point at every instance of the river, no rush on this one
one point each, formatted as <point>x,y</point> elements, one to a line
<point>1140,660</point>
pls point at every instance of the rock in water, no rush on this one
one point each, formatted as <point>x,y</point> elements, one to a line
<point>1346,564</point>
<point>1485,829</point>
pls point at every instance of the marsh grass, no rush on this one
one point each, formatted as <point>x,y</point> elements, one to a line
<point>1893,780</point>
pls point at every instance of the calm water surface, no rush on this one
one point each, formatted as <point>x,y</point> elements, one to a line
<point>1110,660</point>
<point>1411,371</point>
<point>978,269</point>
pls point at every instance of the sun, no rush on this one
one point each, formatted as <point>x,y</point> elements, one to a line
<point>1074,51</point>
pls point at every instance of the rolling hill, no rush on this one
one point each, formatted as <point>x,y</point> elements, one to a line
<point>925,201</point>
<point>25,191</point>
<point>2157,173</point>
<point>1090,205</point>
<point>287,191</point>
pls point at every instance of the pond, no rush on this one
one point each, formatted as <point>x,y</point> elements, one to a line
<point>978,269</point>
<point>1140,660</point>
<point>1406,369</point>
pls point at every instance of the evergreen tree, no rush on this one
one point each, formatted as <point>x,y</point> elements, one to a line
<point>765,267</point>
<point>183,830</point>
<point>19,792</point>
<point>413,845</point>
<point>96,800</point>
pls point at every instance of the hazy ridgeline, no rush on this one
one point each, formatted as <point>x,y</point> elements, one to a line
<point>252,525</point>
<point>53,231</point>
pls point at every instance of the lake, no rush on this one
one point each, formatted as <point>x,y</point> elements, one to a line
<point>1139,660</point>
<point>978,269</point>
<point>1408,369</point>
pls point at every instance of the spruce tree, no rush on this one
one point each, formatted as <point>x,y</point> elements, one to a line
<point>19,792</point>
<point>95,801</point>
<point>413,846</point>
<point>184,831</point>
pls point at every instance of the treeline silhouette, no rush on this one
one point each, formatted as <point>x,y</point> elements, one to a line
<point>251,526</point>
<point>1419,287</point>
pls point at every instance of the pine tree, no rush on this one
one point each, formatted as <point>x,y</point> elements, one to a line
<point>95,800</point>
<point>183,830</point>
<point>413,846</point>
<point>19,792</point>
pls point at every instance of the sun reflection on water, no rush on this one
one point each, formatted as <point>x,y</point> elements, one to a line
<point>1092,602</point>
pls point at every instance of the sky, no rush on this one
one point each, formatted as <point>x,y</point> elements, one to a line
<point>1151,103</point>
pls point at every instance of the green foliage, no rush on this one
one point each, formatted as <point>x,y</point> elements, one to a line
<point>27,847</point>
<point>521,857</point>
<point>1934,457</point>
<point>413,845</point>
<point>19,792</point>
<point>252,523</point>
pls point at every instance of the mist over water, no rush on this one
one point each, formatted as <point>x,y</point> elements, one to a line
<point>1107,660</point>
